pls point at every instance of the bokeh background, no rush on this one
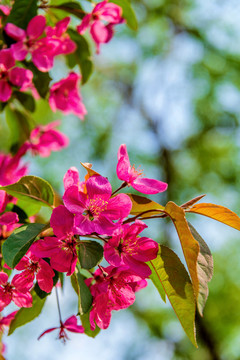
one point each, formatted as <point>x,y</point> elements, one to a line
<point>170,91</point>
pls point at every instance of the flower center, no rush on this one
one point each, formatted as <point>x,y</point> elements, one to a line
<point>135,173</point>
<point>95,207</point>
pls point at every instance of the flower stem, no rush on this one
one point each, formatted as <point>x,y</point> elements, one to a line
<point>58,306</point>
<point>124,184</point>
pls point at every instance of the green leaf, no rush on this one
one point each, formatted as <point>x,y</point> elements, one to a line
<point>81,56</point>
<point>86,324</point>
<point>128,13</point>
<point>18,243</point>
<point>29,208</point>
<point>26,100</point>
<point>156,280</point>
<point>32,189</point>
<point>178,287</point>
<point>72,8</point>
<point>204,267</point>
<point>41,80</point>
<point>25,315</point>
<point>22,12</point>
<point>20,128</point>
<point>84,294</point>
<point>90,253</point>
<point>141,204</point>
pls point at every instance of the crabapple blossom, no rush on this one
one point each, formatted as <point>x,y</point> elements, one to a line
<point>65,96</point>
<point>31,265</point>
<point>11,75</point>
<point>70,324</point>
<point>103,12</point>
<point>10,292</point>
<point>8,222</point>
<point>132,176</point>
<point>126,248</point>
<point>44,139</point>
<point>95,210</point>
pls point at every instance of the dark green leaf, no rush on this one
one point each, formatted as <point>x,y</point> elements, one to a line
<point>41,80</point>
<point>26,100</point>
<point>32,189</point>
<point>128,13</point>
<point>84,295</point>
<point>81,56</point>
<point>20,212</point>
<point>90,253</point>
<point>18,243</point>
<point>204,268</point>
<point>86,324</point>
<point>22,12</point>
<point>178,287</point>
<point>72,8</point>
<point>25,315</point>
<point>20,128</point>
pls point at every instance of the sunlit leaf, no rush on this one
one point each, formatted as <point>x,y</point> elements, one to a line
<point>25,315</point>
<point>217,212</point>
<point>204,269</point>
<point>86,324</point>
<point>90,253</point>
<point>155,277</point>
<point>178,288</point>
<point>22,12</point>
<point>128,13</point>
<point>31,189</point>
<point>18,243</point>
<point>141,204</point>
<point>189,245</point>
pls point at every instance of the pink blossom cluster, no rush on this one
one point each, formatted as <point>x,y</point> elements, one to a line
<point>90,208</point>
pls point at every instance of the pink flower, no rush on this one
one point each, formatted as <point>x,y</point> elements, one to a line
<point>72,178</point>
<point>60,249</point>
<point>114,289</point>
<point>44,139</point>
<point>6,11</point>
<point>10,291</point>
<point>12,76</point>
<point>65,96</point>
<point>31,266</point>
<point>70,324</point>
<point>26,40</point>
<point>126,248</point>
<point>6,320</point>
<point>10,172</point>
<point>66,45</point>
<point>8,222</point>
<point>96,210</point>
<point>10,169</point>
<point>133,177</point>
<point>100,31</point>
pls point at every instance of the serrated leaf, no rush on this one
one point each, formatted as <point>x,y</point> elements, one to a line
<point>32,189</point>
<point>90,253</point>
<point>25,315</point>
<point>128,13</point>
<point>190,246</point>
<point>86,324</point>
<point>141,204</point>
<point>204,269</point>
<point>81,56</point>
<point>217,212</point>
<point>26,100</point>
<point>18,243</point>
<point>178,288</point>
<point>84,294</point>
<point>22,12</point>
